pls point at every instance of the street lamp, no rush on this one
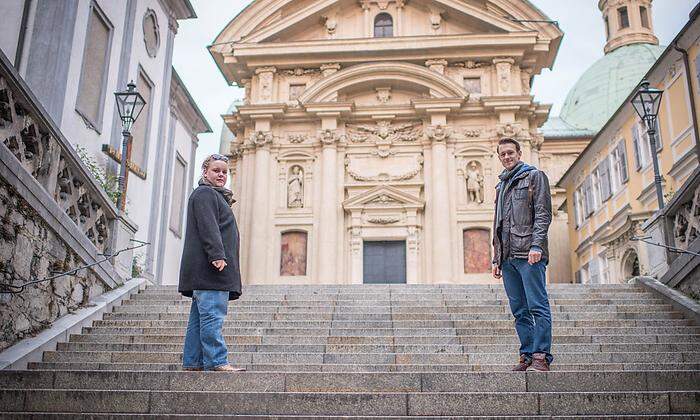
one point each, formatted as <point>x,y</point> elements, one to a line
<point>646,102</point>
<point>130,103</point>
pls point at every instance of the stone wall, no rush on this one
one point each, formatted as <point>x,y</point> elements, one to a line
<point>30,249</point>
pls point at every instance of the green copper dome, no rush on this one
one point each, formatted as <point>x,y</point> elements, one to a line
<point>602,88</point>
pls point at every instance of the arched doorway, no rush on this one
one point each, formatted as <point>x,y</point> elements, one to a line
<point>630,265</point>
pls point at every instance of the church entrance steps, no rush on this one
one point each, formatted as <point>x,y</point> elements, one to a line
<point>373,350</point>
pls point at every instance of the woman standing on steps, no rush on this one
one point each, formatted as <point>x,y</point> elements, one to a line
<point>209,269</point>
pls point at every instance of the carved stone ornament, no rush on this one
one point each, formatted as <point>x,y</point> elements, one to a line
<point>435,17</point>
<point>383,95</point>
<point>261,138</point>
<point>328,69</point>
<point>437,65</point>
<point>330,22</point>
<point>438,133</point>
<point>383,177</point>
<point>472,132</point>
<point>687,222</point>
<point>503,74</point>
<point>383,200</point>
<point>299,71</point>
<point>266,76</point>
<point>536,140</point>
<point>508,130</point>
<point>328,137</point>
<point>383,220</point>
<point>384,132</point>
<point>297,138</point>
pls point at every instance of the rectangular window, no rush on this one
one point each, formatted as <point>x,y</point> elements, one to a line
<point>645,16</point>
<point>621,161</point>
<point>295,91</point>
<point>93,76</point>
<point>589,204</point>
<point>178,195</point>
<point>697,68</point>
<point>596,189</point>
<point>638,147</point>
<point>623,17</point>
<point>604,180</point>
<point>472,84</point>
<point>577,209</point>
<point>141,128</point>
<point>585,277</point>
<point>577,276</point>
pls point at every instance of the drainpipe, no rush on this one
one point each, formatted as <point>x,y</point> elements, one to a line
<point>22,33</point>
<point>693,112</point>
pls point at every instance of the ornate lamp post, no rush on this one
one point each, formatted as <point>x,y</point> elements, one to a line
<point>646,102</point>
<point>130,103</point>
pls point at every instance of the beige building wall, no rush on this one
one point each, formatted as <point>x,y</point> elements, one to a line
<point>345,138</point>
<point>603,241</point>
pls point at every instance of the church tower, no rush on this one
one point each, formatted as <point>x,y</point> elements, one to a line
<point>627,22</point>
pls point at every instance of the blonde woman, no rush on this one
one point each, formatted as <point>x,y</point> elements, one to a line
<point>209,269</point>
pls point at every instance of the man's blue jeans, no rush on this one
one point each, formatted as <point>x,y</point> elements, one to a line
<point>525,286</point>
<point>204,341</point>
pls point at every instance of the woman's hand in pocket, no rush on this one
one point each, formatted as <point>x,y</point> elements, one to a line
<point>219,264</point>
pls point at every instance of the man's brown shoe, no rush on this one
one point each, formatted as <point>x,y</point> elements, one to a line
<point>522,365</point>
<point>539,363</point>
<point>228,368</point>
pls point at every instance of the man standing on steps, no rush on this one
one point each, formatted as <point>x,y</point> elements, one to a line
<point>523,215</point>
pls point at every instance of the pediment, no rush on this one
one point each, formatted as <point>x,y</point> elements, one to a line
<point>300,20</point>
<point>383,196</point>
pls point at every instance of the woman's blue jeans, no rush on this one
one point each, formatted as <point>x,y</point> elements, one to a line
<point>204,341</point>
<point>525,286</point>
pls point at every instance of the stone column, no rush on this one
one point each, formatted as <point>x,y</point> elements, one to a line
<point>259,240</point>
<point>367,18</point>
<point>328,219</point>
<point>442,256</point>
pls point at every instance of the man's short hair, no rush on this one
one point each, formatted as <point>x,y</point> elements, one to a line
<point>509,140</point>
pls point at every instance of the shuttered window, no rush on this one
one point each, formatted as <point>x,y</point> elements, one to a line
<point>636,142</point>
<point>95,67</point>
<point>141,128</point>
<point>178,195</point>
<point>604,179</point>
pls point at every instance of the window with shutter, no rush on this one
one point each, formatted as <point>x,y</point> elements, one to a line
<point>140,131</point>
<point>637,150</point>
<point>604,179</point>
<point>622,155</point>
<point>93,76</point>
<point>588,196</point>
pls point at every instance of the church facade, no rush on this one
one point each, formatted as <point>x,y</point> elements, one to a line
<point>364,150</point>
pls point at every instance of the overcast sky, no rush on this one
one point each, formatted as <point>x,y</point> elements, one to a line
<point>579,19</point>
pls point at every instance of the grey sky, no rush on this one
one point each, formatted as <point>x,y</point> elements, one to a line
<point>582,45</point>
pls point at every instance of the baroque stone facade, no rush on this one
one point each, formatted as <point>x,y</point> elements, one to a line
<point>350,139</point>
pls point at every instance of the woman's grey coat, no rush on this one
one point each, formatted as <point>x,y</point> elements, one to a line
<point>211,234</point>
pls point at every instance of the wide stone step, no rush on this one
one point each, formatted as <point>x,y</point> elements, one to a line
<point>338,367</point>
<point>327,339</point>
<point>344,403</point>
<point>383,348</point>
<point>355,382</point>
<point>75,416</point>
<point>507,330</point>
<point>141,300</point>
<point>405,310</point>
<point>369,358</point>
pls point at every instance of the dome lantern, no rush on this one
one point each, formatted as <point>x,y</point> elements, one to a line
<point>627,22</point>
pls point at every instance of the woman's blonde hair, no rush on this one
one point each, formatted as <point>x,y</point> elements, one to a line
<point>211,158</point>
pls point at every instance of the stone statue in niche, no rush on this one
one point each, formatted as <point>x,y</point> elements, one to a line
<point>295,188</point>
<point>475,183</point>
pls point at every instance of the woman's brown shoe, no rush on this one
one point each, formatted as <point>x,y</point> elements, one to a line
<point>228,368</point>
<point>522,365</point>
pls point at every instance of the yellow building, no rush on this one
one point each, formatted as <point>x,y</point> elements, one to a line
<point>610,190</point>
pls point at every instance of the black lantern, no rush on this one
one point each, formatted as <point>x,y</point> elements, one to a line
<point>646,103</point>
<point>130,103</point>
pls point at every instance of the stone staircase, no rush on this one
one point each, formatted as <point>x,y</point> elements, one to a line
<point>373,351</point>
